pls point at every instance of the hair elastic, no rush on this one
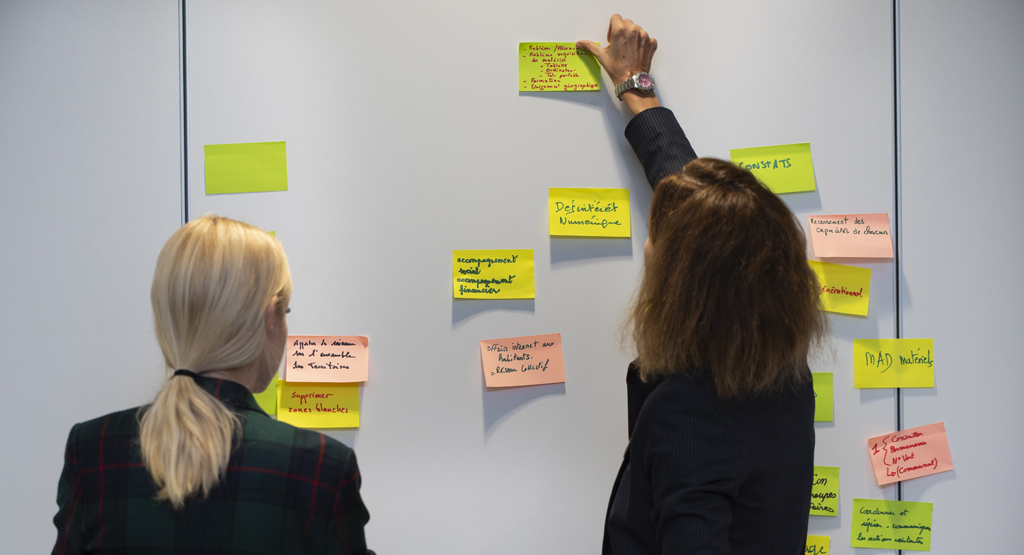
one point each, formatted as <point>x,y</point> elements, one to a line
<point>183,372</point>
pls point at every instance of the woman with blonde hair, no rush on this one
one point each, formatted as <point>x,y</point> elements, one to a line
<point>203,469</point>
<point>720,402</point>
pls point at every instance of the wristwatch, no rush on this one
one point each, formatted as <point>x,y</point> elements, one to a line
<point>641,81</point>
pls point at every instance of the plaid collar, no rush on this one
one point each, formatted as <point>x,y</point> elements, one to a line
<point>230,393</point>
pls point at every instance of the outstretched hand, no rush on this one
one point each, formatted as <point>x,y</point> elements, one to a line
<point>630,50</point>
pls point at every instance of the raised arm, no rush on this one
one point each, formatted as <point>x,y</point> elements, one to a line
<point>655,135</point>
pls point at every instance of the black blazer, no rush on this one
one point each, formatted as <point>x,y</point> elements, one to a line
<point>701,475</point>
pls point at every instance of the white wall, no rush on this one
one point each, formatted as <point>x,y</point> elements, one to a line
<point>963,192</point>
<point>91,190</point>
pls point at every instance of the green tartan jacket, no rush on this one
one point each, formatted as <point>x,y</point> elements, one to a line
<point>286,490</point>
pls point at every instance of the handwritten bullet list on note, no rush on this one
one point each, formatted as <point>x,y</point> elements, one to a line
<point>557,66</point>
<point>910,453</point>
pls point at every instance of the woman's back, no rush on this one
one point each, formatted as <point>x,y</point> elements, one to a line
<point>285,490</point>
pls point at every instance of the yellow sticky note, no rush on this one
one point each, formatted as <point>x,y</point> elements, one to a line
<point>825,491</point>
<point>268,399</point>
<point>272,233</point>
<point>246,168</point>
<point>884,524</point>
<point>822,396</point>
<point>843,289</point>
<point>493,274</point>
<point>318,405</point>
<point>817,545</point>
<point>879,363</point>
<point>588,212</point>
<point>782,168</point>
<point>557,66</point>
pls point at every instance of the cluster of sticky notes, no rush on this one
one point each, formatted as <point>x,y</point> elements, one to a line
<point>320,388</point>
<point>588,212</point>
<point>782,168</point>
<point>823,396</point>
<point>519,361</point>
<point>851,236</point>
<point>843,289</point>
<point>883,524</point>
<point>884,363</point>
<point>493,274</point>
<point>825,491</point>
<point>245,168</point>
<point>557,66</point>
<point>910,453</point>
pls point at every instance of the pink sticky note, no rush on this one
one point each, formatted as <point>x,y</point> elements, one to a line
<point>530,360</point>
<point>851,236</point>
<point>327,358</point>
<point>910,453</point>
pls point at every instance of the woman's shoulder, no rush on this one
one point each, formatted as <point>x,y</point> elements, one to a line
<point>112,424</point>
<point>269,432</point>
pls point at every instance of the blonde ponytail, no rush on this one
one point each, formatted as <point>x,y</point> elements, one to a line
<point>215,279</point>
<point>186,438</point>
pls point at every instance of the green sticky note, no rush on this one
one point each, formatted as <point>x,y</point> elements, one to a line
<point>822,396</point>
<point>272,233</point>
<point>268,399</point>
<point>882,363</point>
<point>557,66</point>
<point>817,545</point>
<point>782,168</point>
<point>825,491</point>
<point>892,524</point>
<point>245,168</point>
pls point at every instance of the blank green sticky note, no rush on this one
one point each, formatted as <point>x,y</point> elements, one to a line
<point>557,66</point>
<point>782,168</point>
<point>825,491</point>
<point>822,396</point>
<point>892,524</point>
<point>246,168</point>
<point>268,399</point>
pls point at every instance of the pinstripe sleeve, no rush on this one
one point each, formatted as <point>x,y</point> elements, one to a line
<point>659,142</point>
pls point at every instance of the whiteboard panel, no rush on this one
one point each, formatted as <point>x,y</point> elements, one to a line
<point>963,131</point>
<point>407,139</point>
<point>89,146</point>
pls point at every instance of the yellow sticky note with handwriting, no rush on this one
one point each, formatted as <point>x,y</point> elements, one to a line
<point>843,289</point>
<point>588,212</point>
<point>825,491</point>
<point>817,545</point>
<point>493,274</point>
<point>883,524</point>
<point>782,168</point>
<point>880,363</point>
<point>823,396</point>
<point>557,66</point>
<point>318,405</point>
<point>245,168</point>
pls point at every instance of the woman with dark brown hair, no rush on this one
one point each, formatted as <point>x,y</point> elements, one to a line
<point>721,407</point>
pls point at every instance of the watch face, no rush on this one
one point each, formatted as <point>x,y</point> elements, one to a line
<point>644,81</point>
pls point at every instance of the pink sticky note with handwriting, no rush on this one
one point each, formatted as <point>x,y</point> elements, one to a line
<point>530,360</point>
<point>851,236</point>
<point>327,358</point>
<point>910,453</point>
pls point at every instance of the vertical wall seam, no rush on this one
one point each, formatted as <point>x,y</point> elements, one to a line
<point>186,200</point>
<point>897,208</point>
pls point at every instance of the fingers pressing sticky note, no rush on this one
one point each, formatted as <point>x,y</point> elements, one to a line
<point>557,66</point>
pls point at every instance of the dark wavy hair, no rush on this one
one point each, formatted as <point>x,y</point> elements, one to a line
<point>727,291</point>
